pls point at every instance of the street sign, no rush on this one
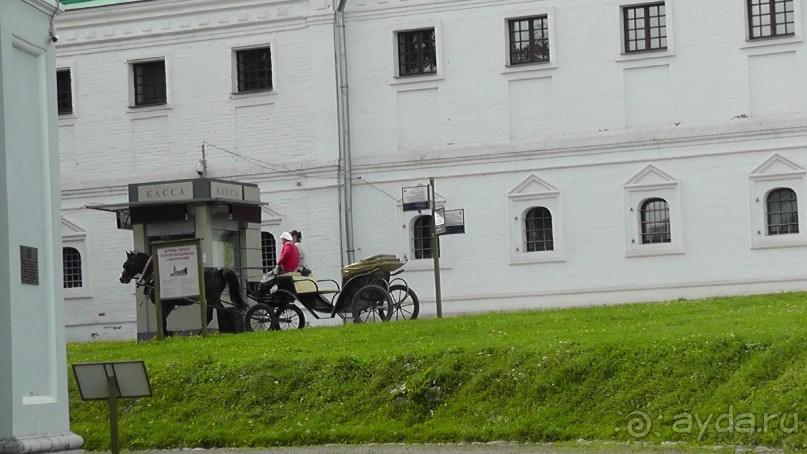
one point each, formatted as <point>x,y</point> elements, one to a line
<point>415,198</point>
<point>453,221</point>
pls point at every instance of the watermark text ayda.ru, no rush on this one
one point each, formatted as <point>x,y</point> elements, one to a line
<point>640,424</point>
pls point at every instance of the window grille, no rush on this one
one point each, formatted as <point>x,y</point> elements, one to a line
<point>417,53</point>
<point>538,230</point>
<point>149,83</point>
<point>64,93</point>
<point>782,212</point>
<point>645,27</point>
<point>254,69</point>
<point>529,40</point>
<point>655,221</point>
<point>422,237</point>
<point>268,251</point>
<point>71,266</point>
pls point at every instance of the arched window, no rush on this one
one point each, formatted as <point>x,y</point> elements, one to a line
<point>655,221</point>
<point>268,251</point>
<point>71,266</point>
<point>782,212</point>
<point>538,230</point>
<point>422,237</point>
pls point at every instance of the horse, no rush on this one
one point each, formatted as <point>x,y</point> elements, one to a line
<point>138,265</point>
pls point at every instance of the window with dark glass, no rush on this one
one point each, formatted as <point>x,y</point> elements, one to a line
<point>422,237</point>
<point>71,266</point>
<point>64,92</point>
<point>268,251</point>
<point>538,230</point>
<point>149,83</point>
<point>417,52</point>
<point>254,69</point>
<point>529,40</point>
<point>655,221</point>
<point>645,27</point>
<point>769,18</point>
<point>782,211</point>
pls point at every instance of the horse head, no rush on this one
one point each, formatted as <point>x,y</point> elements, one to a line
<point>136,264</point>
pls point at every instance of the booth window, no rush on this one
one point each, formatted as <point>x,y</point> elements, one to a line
<point>268,251</point>
<point>538,230</point>
<point>149,83</point>
<point>71,259</point>
<point>422,237</point>
<point>782,212</point>
<point>254,69</point>
<point>655,221</point>
<point>64,93</point>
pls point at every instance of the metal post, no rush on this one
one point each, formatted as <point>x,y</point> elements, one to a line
<point>112,384</point>
<point>202,296</point>
<point>436,254</point>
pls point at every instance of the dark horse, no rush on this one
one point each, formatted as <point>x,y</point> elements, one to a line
<point>138,265</point>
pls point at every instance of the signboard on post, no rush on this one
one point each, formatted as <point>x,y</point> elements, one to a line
<point>415,198</point>
<point>179,274</point>
<point>448,222</point>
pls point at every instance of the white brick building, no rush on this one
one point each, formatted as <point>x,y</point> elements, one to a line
<point>557,141</point>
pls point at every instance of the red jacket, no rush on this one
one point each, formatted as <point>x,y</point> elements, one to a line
<point>289,257</point>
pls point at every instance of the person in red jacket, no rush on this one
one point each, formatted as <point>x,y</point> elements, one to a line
<point>286,263</point>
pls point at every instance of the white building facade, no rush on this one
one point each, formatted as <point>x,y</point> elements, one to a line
<point>602,151</point>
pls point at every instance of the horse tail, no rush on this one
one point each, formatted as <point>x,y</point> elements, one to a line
<point>235,287</point>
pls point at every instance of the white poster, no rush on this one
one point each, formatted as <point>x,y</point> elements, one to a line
<point>179,271</point>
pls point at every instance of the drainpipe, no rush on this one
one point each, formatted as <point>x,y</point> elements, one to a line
<point>344,123</point>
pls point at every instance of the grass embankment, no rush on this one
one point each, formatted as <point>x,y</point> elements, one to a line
<point>715,371</point>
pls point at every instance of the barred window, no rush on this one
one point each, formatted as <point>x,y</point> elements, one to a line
<point>64,92</point>
<point>770,18</point>
<point>268,251</point>
<point>645,27</point>
<point>417,52</point>
<point>149,83</point>
<point>422,237</point>
<point>529,40</point>
<point>782,211</point>
<point>254,69</point>
<point>538,230</point>
<point>655,221</point>
<point>71,266</point>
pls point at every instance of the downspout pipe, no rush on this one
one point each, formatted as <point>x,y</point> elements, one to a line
<point>344,124</point>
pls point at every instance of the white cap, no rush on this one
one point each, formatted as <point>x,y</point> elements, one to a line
<point>285,236</point>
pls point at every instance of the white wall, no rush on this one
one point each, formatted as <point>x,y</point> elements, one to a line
<point>704,115</point>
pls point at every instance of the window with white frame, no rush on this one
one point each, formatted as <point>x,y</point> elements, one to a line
<point>653,224</point>
<point>536,222</point>
<point>253,69</point>
<point>417,52</point>
<point>771,18</point>
<point>777,191</point>
<point>149,87</point>
<point>268,251</point>
<point>528,39</point>
<point>71,268</point>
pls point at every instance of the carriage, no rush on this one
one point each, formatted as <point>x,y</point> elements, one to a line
<point>369,292</point>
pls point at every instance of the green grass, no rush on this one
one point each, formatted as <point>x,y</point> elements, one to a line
<point>692,367</point>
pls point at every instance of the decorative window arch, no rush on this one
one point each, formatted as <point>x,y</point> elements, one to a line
<point>777,191</point>
<point>538,230</point>
<point>71,268</point>
<point>653,224</point>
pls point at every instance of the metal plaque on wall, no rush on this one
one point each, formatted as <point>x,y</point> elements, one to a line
<point>29,265</point>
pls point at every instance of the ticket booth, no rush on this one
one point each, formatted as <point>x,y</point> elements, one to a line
<point>225,215</point>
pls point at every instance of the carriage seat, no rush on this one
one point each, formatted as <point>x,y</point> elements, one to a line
<point>309,284</point>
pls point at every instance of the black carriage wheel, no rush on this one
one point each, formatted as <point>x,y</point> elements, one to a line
<point>405,303</point>
<point>260,317</point>
<point>290,317</point>
<point>371,304</point>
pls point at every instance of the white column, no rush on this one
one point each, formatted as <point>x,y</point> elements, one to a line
<point>33,370</point>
